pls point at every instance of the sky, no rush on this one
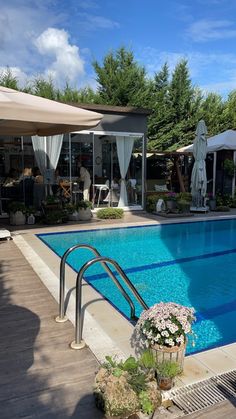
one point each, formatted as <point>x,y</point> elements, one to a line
<point>62,38</point>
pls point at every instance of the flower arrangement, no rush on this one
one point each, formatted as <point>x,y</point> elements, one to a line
<point>171,196</point>
<point>165,324</point>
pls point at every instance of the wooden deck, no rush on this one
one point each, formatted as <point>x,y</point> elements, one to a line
<point>40,377</point>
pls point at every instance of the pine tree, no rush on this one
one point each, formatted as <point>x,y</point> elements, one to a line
<point>7,79</point>
<point>121,81</point>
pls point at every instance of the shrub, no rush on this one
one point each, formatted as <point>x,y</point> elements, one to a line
<point>70,208</point>
<point>224,200</point>
<point>183,205</point>
<point>168,369</point>
<point>222,208</point>
<point>15,206</point>
<point>84,204</point>
<point>151,203</point>
<point>184,196</point>
<point>110,213</point>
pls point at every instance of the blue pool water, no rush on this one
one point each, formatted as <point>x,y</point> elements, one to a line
<point>193,264</point>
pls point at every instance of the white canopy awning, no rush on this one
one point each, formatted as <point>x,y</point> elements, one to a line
<point>25,114</point>
<point>224,141</point>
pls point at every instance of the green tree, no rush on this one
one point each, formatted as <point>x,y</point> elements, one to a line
<point>160,119</point>
<point>212,110</point>
<point>44,88</point>
<point>7,79</point>
<point>176,109</point>
<point>121,81</point>
<point>229,115</point>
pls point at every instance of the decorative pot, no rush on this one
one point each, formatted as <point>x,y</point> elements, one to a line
<point>164,353</point>
<point>212,204</point>
<point>171,205</point>
<point>74,216</point>
<point>165,383</point>
<point>85,214</point>
<point>17,218</point>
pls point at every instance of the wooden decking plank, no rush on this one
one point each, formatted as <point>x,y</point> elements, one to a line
<point>40,377</point>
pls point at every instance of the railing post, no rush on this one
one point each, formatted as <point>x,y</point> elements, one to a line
<point>79,343</point>
<point>62,317</point>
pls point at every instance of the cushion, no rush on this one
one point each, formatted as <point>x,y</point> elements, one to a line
<point>161,188</point>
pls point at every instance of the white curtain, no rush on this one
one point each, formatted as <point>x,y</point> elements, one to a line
<point>47,151</point>
<point>124,151</point>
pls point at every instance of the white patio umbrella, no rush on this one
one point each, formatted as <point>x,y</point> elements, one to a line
<point>198,177</point>
<point>25,114</point>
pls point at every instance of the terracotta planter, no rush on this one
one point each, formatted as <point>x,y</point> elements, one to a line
<point>165,383</point>
<point>176,353</point>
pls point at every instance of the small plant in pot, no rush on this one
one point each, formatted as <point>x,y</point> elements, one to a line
<point>17,212</point>
<point>166,372</point>
<point>84,210</point>
<point>51,202</point>
<point>170,200</point>
<point>72,212</point>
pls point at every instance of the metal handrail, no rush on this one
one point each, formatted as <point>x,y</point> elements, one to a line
<point>78,343</point>
<point>62,317</point>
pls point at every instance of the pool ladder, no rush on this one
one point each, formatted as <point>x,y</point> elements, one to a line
<point>78,343</point>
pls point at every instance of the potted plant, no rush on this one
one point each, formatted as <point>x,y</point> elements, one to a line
<point>166,371</point>
<point>84,210</point>
<point>17,212</point>
<point>183,205</point>
<point>125,388</point>
<point>51,202</point>
<point>170,200</point>
<point>72,212</point>
<point>164,328</point>
<point>211,201</point>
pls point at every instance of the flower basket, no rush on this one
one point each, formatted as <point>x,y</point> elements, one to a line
<point>164,328</point>
<point>175,353</point>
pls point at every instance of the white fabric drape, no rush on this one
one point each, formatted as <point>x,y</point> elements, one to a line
<point>124,151</point>
<point>198,177</point>
<point>47,151</point>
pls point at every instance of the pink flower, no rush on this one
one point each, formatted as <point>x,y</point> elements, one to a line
<point>166,324</point>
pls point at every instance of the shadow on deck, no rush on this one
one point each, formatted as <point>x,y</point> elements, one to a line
<point>40,377</point>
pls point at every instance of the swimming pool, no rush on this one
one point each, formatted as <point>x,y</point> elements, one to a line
<point>193,264</point>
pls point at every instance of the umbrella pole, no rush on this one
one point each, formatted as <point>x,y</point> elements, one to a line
<point>180,179</point>
<point>22,162</point>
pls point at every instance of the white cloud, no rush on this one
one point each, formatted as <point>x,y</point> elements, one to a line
<point>91,22</point>
<point>67,64</point>
<point>222,88</point>
<point>211,30</point>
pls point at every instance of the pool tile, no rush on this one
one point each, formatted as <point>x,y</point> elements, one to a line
<point>230,350</point>
<point>194,370</point>
<point>217,360</point>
